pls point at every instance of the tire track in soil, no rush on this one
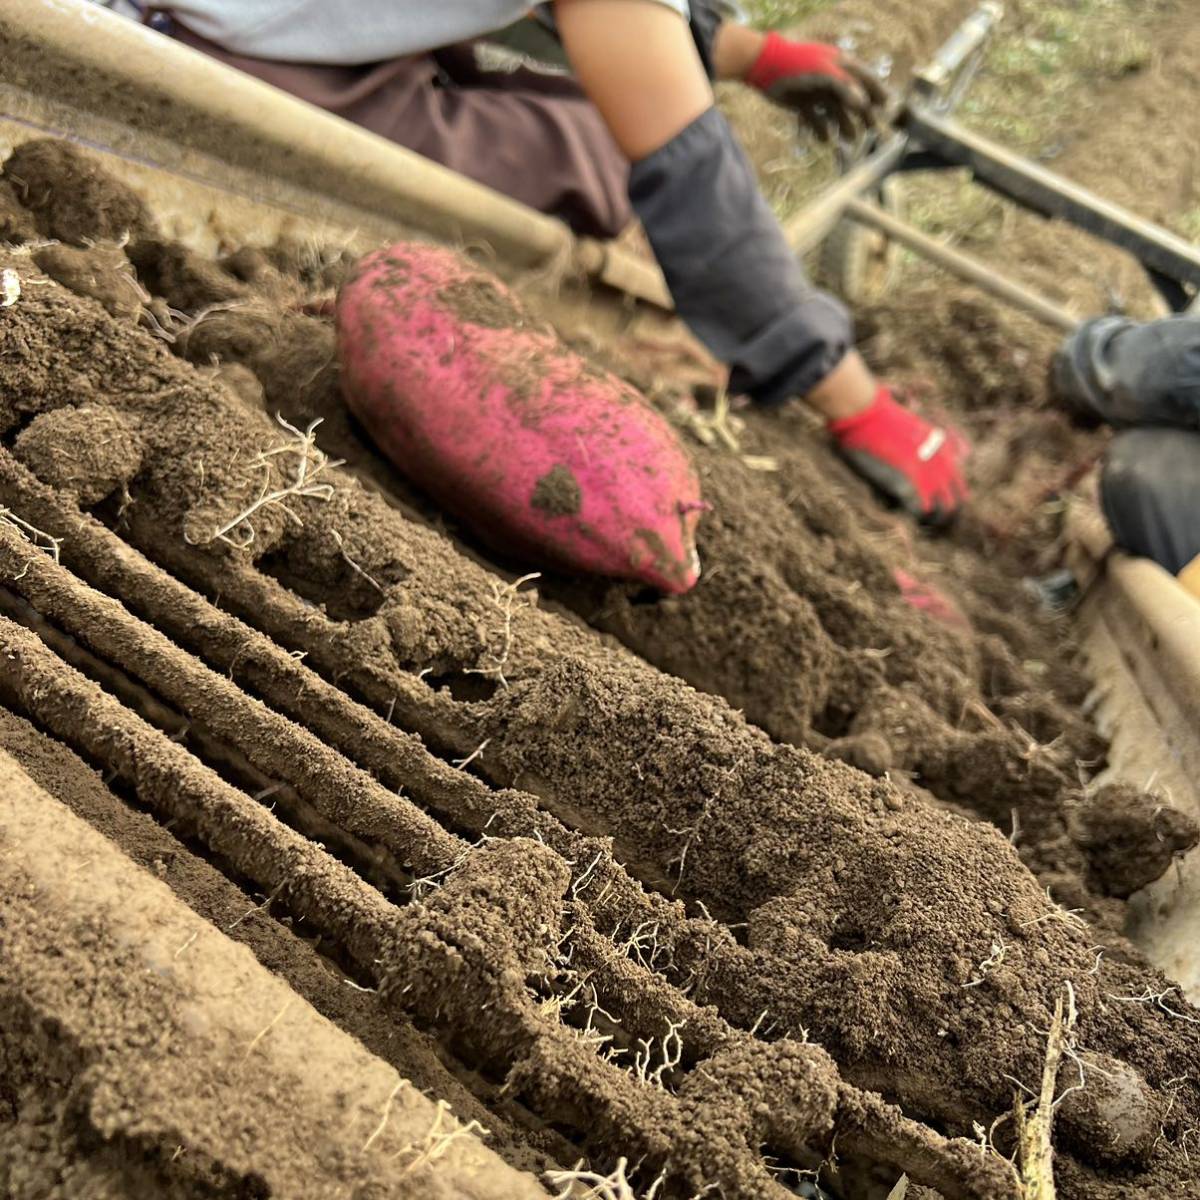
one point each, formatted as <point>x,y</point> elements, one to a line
<point>607,739</point>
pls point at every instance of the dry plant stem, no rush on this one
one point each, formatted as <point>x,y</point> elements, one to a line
<point>1035,1150</point>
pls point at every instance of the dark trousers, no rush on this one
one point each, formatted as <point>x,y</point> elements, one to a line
<point>1145,380</point>
<point>532,136</point>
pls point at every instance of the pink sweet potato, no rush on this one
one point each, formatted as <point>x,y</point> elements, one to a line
<point>531,446</point>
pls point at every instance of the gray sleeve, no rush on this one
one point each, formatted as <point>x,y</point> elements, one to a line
<point>734,278</point>
<point>707,16</point>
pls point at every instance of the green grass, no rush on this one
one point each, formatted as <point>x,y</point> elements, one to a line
<point>1188,225</point>
<point>1042,60</point>
<point>779,14</point>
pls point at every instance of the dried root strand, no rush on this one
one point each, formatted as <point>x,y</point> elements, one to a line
<point>1159,1000</point>
<point>670,1050</point>
<point>30,533</point>
<point>591,1185</point>
<point>505,597</point>
<point>989,964</point>
<point>442,1134</point>
<point>311,462</point>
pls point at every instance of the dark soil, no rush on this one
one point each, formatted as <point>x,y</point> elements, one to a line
<point>70,198</point>
<point>102,272</point>
<point>811,901</point>
<point>557,492</point>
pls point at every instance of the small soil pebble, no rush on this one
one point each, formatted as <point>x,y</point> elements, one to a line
<point>1114,1118</point>
<point>1131,838</point>
<point>91,450</point>
<point>16,222</point>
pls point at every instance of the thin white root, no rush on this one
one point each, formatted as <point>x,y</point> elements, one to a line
<point>1159,1000</point>
<point>671,1050</point>
<point>310,463</point>
<point>1064,916</point>
<point>443,1133</point>
<point>989,964</point>
<point>463,763</point>
<point>337,537</point>
<point>505,596</point>
<point>30,533</point>
<point>614,1186</point>
<point>586,878</point>
<point>387,1112</point>
<point>262,1033</point>
<point>186,324</point>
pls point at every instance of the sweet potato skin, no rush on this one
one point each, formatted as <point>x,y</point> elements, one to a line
<point>534,448</point>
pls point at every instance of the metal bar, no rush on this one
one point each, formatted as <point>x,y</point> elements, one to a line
<point>968,38</point>
<point>1053,196</point>
<point>809,227</point>
<point>962,265</point>
<point>1177,297</point>
<point>194,98</point>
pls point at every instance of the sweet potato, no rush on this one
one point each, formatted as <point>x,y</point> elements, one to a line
<point>530,445</point>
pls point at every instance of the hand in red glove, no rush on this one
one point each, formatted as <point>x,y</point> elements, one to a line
<point>820,83</point>
<point>914,463</point>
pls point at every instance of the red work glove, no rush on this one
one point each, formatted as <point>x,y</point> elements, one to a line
<point>820,83</point>
<point>914,463</point>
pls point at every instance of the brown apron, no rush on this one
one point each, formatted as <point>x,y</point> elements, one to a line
<point>531,136</point>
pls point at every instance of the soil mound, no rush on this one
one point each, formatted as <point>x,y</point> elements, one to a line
<point>637,924</point>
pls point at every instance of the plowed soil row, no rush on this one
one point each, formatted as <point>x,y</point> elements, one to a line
<point>628,924</point>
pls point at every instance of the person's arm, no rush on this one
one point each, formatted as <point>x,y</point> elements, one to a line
<point>734,278</point>
<point>735,49</point>
<point>1190,577</point>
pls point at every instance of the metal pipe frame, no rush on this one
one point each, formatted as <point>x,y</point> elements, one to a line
<point>929,139</point>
